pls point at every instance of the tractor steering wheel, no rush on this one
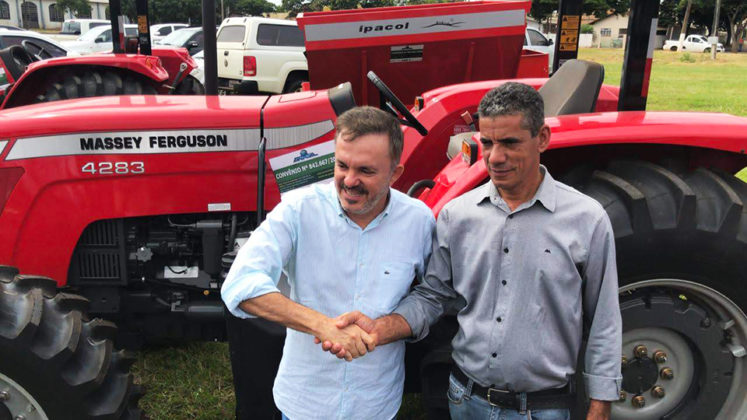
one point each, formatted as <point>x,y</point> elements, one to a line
<point>392,104</point>
<point>40,51</point>
<point>21,57</point>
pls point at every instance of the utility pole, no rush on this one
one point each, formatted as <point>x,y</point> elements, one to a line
<point>685,22</point>
<point>714,32</point>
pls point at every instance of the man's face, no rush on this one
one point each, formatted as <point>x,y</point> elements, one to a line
<point>363,174</point>
<point>511,154</point>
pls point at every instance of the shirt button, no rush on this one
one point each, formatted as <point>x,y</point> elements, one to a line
<point>499,319</point>
<point>503,282</point>
<point>495,355</point>
<point>505,250</point>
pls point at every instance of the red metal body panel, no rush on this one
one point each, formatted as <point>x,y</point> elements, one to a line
<point>172,58</point>
<point>533,64</point>
<point>703,130</point>
<point>32,236</point>
<point>441,115</point>
<point>148,66</point>
<point>344,45</point>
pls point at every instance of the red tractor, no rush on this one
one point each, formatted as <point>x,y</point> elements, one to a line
<point>28,75</point>
<point>135,203</point>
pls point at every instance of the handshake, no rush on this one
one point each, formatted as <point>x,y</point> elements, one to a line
<point>349,336</point>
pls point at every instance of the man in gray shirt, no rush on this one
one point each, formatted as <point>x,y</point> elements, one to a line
<point>534,260</point>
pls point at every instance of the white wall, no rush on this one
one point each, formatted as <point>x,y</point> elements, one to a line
<point>98,11</point>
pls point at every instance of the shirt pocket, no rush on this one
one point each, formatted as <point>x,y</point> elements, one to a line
<point>390,283</point>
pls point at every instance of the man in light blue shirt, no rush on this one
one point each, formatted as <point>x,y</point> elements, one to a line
<point>352,244</point>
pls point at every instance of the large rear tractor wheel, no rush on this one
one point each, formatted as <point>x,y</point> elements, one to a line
<point>89,82</point>
<point>54,362</point>
<point>681,241</point>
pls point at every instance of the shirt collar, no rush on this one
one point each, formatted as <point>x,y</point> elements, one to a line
<point>545,193</point>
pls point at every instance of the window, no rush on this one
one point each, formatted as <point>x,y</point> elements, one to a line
<point>54,51</point>
<point>55,14</point>
<point>95,24</point>
<point>537,38</point>
<point>279,35</point>
<point>4,10</point>
<point>606,32</point>
<point>622,32</point>
<point>231,34</point>
<point>164,31</point>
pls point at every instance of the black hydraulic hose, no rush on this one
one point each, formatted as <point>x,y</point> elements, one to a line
<point>232,235</point>
<point>423,183</point>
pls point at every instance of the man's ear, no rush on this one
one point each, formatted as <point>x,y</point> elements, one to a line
<point>544,138</point>
<point>397,173</point>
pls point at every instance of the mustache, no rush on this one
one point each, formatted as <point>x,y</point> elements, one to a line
<point>358,189</point>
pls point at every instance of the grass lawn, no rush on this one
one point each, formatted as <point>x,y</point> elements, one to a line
<point>702,85</point>
<point>194,381</point>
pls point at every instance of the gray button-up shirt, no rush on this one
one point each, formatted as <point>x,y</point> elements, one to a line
<point>532,279</point>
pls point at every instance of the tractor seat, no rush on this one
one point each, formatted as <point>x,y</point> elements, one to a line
<point>573,89</point>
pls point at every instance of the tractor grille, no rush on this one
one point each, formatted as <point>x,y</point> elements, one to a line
<point>99,256</point>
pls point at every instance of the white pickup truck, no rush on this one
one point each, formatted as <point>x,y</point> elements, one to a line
<point>260,55</point>
<point>697,43</point>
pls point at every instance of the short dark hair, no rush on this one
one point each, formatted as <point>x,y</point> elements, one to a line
<point>363,120</point>
<point>513,98</point>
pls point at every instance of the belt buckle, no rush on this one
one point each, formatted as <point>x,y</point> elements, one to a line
<point>500,391</point>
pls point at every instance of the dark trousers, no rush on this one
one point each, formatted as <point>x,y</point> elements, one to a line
<point>255,347</point>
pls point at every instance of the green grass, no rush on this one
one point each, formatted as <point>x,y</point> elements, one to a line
<point>194,381</point>
<point>704,85</point>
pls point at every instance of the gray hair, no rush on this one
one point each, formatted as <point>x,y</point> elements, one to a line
<point>363,120</point>
<point>513,98</point>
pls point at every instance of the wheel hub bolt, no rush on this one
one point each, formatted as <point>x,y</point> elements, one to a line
<point>4,395</point>
<point>658,392</point>
<point>624,361</point>
<point>705,323</point>
<point>638,401</point>
<point>666,373</point>
<point>623,396</point>
<point>640,351</point>
<point>660,356</point>
<point>20,417</point>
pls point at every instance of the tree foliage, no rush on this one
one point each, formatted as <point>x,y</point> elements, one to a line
<point>78,7</point>
<point>190,11</point>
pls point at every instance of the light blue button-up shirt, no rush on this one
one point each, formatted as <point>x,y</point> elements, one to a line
<point>333,266</point>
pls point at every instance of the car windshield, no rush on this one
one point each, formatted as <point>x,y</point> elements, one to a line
<point>91,35</point>
<point>178,38</point>
<point>70,28</point>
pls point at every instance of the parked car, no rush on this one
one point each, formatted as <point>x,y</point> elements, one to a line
<point>534,40</point>
<point>35,43</point>
<point>159,31</point>
<point>190,38</point>
<point>260,55</point>
<point>11,27</point>
<point>697,43</point>
<point>98,39</point>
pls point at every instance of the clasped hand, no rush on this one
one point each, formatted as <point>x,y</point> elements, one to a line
<point>349,336</point>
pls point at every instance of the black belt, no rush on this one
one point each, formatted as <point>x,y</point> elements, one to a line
<point>537,400</point>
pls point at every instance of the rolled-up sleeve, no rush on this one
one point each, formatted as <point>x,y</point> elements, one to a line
<point>425,303</point>
<point>602,313</point>
<point>260,261</point>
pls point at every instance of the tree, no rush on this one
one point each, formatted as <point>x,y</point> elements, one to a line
<point>250,7</point>
<point>668,14</point>
<point>736,14</point>
<point>77,7</point>
<point>542,9</point>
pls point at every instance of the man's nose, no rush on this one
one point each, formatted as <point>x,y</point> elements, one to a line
<point>351,179</point>
<point>497,155</point>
